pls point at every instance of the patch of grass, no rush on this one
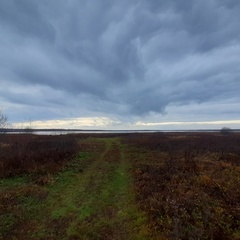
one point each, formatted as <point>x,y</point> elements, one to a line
<point>109,211</point>
<point>19,205</point>
<point>89,197</point>
<point>12,182</point>
<point>7,223</point>
<point>80,162</point>
<point>114,213</point>
<point>33,202</point>
<point>40,232</point>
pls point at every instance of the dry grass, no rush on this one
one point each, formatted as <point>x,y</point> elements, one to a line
<point>188,184</point>
<point>27,153</point>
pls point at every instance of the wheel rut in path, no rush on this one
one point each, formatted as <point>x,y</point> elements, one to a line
<point>99,202</point>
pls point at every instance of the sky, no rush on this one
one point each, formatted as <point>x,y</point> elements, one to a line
<point>139,64</point>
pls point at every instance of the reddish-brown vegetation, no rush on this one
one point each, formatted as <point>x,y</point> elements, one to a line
<point>188,184</point>
<point>28,153</point>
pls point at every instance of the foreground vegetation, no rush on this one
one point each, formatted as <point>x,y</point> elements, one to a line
<point>125,186</point>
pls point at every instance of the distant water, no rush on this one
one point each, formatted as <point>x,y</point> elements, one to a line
<point>63,132</point>
<point>89,132</point>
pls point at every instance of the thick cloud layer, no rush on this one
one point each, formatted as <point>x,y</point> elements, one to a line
<point>129,59</point>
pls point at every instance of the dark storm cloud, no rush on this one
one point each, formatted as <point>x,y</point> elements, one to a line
<point>25,18</point>
<point>135,56</point>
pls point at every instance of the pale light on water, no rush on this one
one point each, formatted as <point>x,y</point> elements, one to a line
<point>63,132</point>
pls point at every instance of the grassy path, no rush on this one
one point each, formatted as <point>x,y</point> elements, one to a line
<point>92,199</point>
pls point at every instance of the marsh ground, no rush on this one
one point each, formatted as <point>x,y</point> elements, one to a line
<point>120,186</point>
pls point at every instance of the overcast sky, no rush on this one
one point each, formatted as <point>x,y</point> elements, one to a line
<point>108,64</point>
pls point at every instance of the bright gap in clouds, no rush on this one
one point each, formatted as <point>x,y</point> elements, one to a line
<point>74,123</point>
<point>105,123</point>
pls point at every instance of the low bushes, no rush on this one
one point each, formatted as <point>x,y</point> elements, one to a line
<point>28,153</point>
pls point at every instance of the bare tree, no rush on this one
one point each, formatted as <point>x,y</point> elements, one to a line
<point>3,124</point>
<point>3,120</point>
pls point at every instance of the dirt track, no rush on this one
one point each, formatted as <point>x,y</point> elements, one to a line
<point>92,199</point>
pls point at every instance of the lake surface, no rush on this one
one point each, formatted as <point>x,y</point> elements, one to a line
<point>63,132</point>
<point>89,132</point>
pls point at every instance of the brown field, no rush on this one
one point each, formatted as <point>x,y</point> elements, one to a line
<point>188,184</point>
<point>120,186</point>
